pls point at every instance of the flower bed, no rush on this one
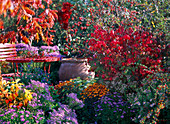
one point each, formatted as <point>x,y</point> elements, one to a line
<point>126,44</point>
<point>25,51</point>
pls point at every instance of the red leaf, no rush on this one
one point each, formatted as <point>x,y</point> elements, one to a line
<point>29,11</point>
<point>25,39</point>
<point>1,24</point>
<point>54,14</point>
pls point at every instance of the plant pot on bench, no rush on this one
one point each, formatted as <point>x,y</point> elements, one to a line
<point>73,68</point>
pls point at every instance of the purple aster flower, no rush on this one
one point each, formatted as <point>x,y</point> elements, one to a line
<point>22,119</point>
<point>72,95</point>
<point>41,118</point>
<point>54,54</point>
<point>21,45</point>
<point>122,116</point>
<point>35,117</point>
<point>98,106</point>
<point>27,112</point>
<point>15,115</point>
<point>138,103</point>
<point>114,103</point>
<point>74,100</point>
<point>152,104</point>
<point>21,112</point>
<point>56,47</point>
<point>26,122</point>
<point>11,110</point>
<point>124,112</point>
<point>114,92</point>
<point>14,106</point>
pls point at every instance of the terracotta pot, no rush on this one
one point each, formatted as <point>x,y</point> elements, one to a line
<point>73,68</point>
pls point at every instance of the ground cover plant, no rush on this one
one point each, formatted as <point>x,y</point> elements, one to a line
<point>126,43</point>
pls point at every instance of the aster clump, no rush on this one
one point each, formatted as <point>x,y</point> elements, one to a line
<point>42,97</point>
<point>63,114</point>
<point>111,108</point>
<point>46,51</point>
<point>74,102</point>
<point>27,51</point>
<point>13,115</point>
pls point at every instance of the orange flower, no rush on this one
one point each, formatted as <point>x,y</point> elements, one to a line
<point>10,105</point>
<point>7,101</point>
<point>10,100</point>
<point>20,104</point>
<point>95,90</point>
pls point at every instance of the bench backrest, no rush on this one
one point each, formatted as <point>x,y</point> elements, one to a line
<point>7,51</point>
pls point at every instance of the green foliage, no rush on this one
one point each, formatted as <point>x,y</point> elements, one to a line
<point>151,98</point>
<point>33,71</point>
<point>5,67</point>
<point>72,86</point>
<point>54,76</point>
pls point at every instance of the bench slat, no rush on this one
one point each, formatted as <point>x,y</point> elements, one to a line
<point>7,56</point>
<point>8,53</point>
<point>10,49</point>
<point>6,45</point>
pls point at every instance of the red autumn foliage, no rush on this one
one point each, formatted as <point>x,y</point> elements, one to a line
<point>64,15</point>
<point>114,49</point>
<point>29,26</point>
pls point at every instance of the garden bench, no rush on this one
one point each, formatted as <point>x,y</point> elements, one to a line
<point>8,51</point>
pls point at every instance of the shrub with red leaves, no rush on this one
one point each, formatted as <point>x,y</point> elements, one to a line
<point>124,50</point>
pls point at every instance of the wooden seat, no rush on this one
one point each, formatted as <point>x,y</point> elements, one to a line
<point>8,51</point>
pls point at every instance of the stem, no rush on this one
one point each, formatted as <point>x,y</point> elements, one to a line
<point>0,74</point>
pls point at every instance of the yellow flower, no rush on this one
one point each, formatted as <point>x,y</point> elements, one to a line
<point>28,95</point>
<point>12,88</point>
